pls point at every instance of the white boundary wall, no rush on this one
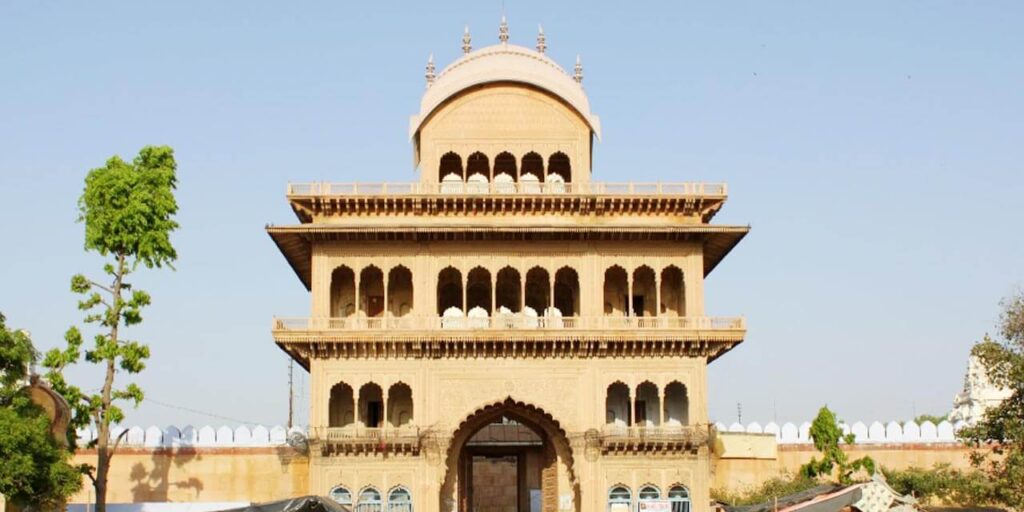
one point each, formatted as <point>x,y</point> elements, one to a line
<point>874,433</point>
<point>787,433</point>
<point>189,436</point>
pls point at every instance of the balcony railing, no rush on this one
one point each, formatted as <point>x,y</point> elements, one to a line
<point>354,432</point>
<point>355,438</point>
<point>522,188</point>
<point>621,437</point>
<point>508,322</point>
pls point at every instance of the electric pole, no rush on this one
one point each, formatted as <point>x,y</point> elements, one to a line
<point>291,392</point>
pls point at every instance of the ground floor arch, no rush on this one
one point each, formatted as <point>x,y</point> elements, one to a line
<point>516,444</point>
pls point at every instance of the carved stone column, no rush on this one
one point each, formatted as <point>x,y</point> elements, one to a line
<point>629,293</point>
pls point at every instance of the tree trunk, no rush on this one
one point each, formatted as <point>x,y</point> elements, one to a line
<point>103,449</point>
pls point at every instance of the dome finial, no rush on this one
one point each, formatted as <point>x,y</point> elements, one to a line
<point>467,42</point>
<point>578,75</point>
<point>542,42</point>
<point>430,70</point>
<point>503,30</point>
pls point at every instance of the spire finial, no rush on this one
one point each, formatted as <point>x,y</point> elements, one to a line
<point>503,29</point>
<point>467,42</point>
<point>578,75</point>
<point>430,71</point>
<point>542,42</point>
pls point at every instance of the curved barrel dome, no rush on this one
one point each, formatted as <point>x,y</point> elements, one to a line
<point>504,63</point>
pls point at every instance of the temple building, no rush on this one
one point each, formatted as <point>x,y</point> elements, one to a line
<point>507,333</point>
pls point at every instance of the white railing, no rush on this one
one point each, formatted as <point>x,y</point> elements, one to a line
<point>472,188</point>
<point>507,322</point>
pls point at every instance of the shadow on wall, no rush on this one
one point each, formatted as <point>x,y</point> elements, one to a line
<point>155,485</point>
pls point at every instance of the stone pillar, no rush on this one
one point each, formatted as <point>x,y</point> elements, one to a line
<point>384,407</point>
<point>551,290</point>
<point>465,284</point>
<point>494,293</point>
<point>630,399</point>
<point>387,308</point>
<point>661,406</point>
<point>358,305</point>
<point>522,292</point>
<point>629,293</point>
<point>657,294</point>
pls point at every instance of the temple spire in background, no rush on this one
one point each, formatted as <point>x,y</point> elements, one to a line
<point>542,43</point>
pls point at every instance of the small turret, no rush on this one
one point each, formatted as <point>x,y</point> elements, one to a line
<point>542,43</point>
<point>578,73</point>
<point>430,75</point>
<point>503,30</point>
<point>467,42</point>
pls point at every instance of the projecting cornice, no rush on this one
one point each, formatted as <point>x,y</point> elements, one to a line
<point>322,202</point>
<point>296,242</point>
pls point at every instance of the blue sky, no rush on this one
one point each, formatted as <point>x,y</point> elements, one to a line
<point>875,148</point>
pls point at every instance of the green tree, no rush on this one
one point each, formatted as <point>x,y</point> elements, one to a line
<point>35,472</point>
<point>930,417</point>
<point>998,439</point>
<point>827,435</point>
<point>128,210</point>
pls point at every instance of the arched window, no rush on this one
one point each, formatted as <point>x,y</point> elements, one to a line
<point>343,292</point>
<point>477,163</point>
<point>451,163</point>
<point>643,294</point>
<point>340,406</point>
<point>677,404</point>
<point>616,404</point>
<point>399,500</point>
<point>505,163</point>
<point>649,492</point>
<point>400,291</point>
<point>341,496</point>
<point>478,290</point>
<point>369,501</point>
<point>400,405</point>
<point>449,290</point>
<point>646,413</point>
<point>619,499</point>
<point>679,497</point>
<point>567,291</point>
<point>673,296</point>
<point>371,292</point>
<point>533,164</point>
<point>558,163</point>
<point>616,291</point>
<point>508,291</point>
<point>371,405</point>
<point>538,290</point>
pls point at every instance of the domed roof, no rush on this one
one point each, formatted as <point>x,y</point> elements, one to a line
<point>504,63</point>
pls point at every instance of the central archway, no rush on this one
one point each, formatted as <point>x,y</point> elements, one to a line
<point>523,439</point>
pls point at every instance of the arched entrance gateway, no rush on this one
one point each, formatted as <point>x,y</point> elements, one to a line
<point>509,455</point>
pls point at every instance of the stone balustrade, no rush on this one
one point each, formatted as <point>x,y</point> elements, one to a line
<point>504,322</point>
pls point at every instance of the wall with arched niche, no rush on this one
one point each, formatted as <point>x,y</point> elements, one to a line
<point>493,127</point>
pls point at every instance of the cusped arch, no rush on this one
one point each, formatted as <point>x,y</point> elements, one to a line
<point>525,412</point>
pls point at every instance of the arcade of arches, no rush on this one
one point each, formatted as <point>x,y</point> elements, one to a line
<point>536,291</point>
<point>506,168</point>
